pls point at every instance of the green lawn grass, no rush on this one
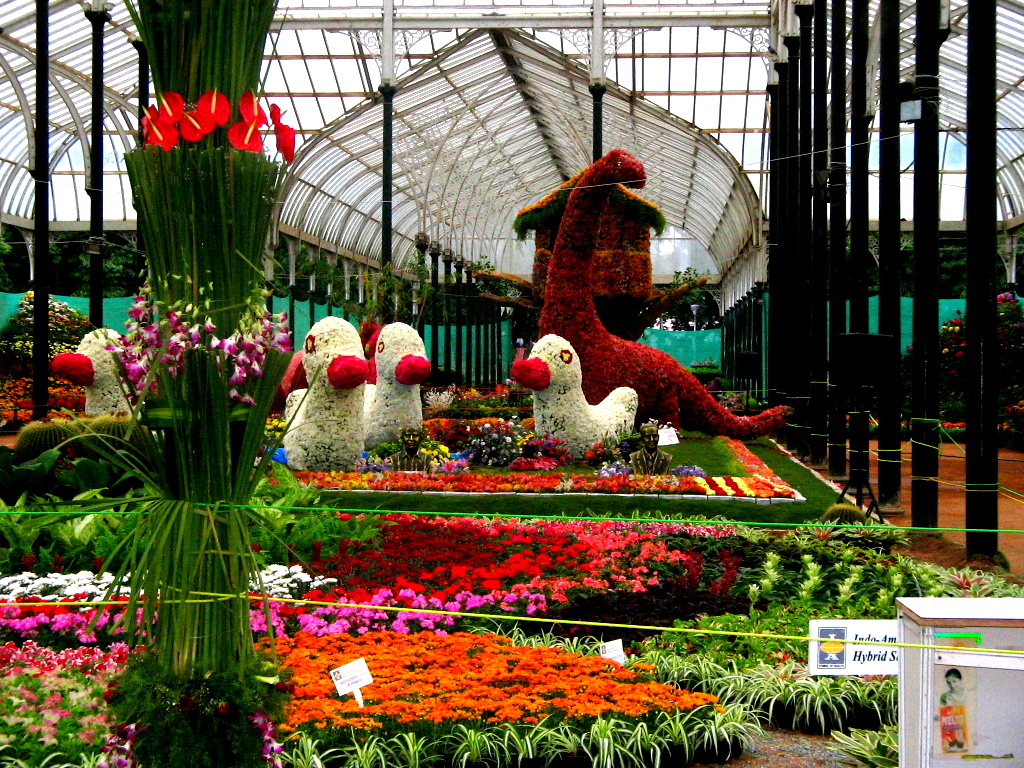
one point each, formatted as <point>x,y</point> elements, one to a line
<point>703,452</point>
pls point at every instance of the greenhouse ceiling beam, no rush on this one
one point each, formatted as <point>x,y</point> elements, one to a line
<point>529,21</point>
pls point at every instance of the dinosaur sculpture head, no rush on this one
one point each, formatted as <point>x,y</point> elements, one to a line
<point>400,355</point>
<point>333,349</point>
<point>553,361</point>
<point>618,167</point>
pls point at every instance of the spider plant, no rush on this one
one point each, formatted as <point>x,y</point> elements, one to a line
<point>368,752</point>
<point>876,749</point>
<point>306,754</point>
<point>466,746</point>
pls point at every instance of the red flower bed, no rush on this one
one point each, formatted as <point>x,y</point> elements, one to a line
<point>441,557</point>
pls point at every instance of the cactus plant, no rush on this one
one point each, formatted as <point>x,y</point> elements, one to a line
<point>844,514</point>
<point>37,437</point>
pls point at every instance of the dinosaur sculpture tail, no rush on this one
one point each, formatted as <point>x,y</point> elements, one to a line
<point>699,410</point>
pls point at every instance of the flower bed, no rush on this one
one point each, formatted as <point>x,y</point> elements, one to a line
<point>425,680</point>
<point>754,487</point>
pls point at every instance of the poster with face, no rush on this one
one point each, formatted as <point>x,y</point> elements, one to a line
<point>955,689</point>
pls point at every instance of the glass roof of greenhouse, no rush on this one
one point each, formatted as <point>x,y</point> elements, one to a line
<point>492,112</point>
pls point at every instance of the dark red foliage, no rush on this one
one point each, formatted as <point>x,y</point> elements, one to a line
<point>657,607</point>
<point>667,391</point>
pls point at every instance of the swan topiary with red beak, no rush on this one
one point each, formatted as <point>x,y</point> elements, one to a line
<point>554,374</point>
<point>326,419</point>
<point>393,402</point>
<point>93,366</point>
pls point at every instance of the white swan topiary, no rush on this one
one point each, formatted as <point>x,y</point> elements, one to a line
<point>94,366</point>
<point>554,374</point>
<point>325,420</point>
<point>394,401</point>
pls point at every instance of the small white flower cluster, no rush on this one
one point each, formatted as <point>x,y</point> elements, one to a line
<point>439,398</point>
<point>277,581</point>
<point>561,410</point>
<point>55,585</point>
<point>288,581</point>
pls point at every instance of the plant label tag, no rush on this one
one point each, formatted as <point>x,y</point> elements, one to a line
<point>668,436</point>
<point>613,650</point>
<point>349,678</point>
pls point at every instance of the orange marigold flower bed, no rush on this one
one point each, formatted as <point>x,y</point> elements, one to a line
<point>464,677</point>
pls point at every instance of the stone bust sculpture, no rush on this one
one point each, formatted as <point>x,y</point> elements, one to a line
<point>412,458</point>
<point>649,460</point>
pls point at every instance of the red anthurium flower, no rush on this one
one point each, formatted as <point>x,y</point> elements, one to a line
<point>194,125</point>
<point>285,136</point>
<point>251,111</point>
<point>172,106</point>
<point>158,132</point>
<point>275,114</point>
<point>216,106</point>
<point>246,136</point>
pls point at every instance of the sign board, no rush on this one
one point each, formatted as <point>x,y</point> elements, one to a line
<point>613,650</point>
<point>668,436</point>
<point>839,653</point>
<point>349,678</point>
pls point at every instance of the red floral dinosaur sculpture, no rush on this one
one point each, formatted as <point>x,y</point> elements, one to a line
<point>668,392</point>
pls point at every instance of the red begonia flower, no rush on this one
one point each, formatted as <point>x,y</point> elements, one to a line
<point>532,374</point>
<point>216,106</point>
<point>73,367</point>
<point>195,125</point>
<point>346,372</point>
<point>246,136</point>
<point>158,132</point>
<point>251,111</point>
<point>285,136</point>
<point>412,369</point>
<point>172,106</point>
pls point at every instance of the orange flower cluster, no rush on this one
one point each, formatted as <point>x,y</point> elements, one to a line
<point>16,398</point>
<point>464,677</point>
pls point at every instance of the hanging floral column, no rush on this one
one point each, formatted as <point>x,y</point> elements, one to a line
<point>205,359</point>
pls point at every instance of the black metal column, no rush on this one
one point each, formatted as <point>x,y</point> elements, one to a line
<point>925,426</point>
<point>818,295</point>
<point>98,20</point>
<point>446,308</point>
<point>888,381</point>
<point>837,270</point>
<point>41,235</point>
<point>982,411</point>
<point>796,428</point>
<point>385,299</point>
<point>460,315</point>
<point>777,271</point>
<point>597,128</point>
<point>435,302</point>
<point>803,253</point>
